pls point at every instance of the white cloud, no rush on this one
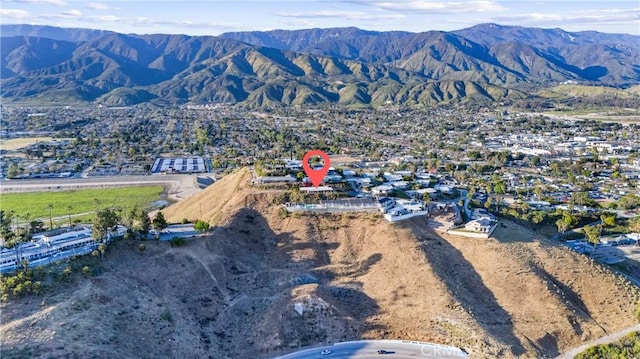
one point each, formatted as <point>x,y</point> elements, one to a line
<point>611,16</point>
<point>97,6</point>
<point>429,6</point>
<point>349,15</point>
<point>299,23</point>
<point>15,13</point>
<point>72,12</point>
<point>48,2</point>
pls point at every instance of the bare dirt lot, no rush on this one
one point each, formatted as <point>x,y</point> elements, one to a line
<point>266,283</point>
<point>17,143</point>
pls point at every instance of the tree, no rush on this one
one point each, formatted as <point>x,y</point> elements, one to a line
<point>608,219</point>
<point>131,216</point>
<point>535,161</point>
<point>500,188</point>
<point>13,171</point>
<point>562,225</point>
<point>36,226</point>
<point>6,218</point>
<point>581,198</point>
<point>105,222</point>
<point>201,226</point>
<point>629,201</point>
<point>145,223</point>
<point>449,167</point>
<point>488,202</point>
<point>566,221</point>
<point>50,207</point>
<point>159,222</point>
<point>634,225</point>
<point>69,208</point>
<point>593,233</point>
<point>26,235</point>
<point>538,217</point>
<point>570,219</point>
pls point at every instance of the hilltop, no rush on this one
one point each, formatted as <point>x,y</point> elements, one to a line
<point>263,283</point>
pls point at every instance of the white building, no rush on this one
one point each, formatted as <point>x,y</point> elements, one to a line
<point>193,164</point>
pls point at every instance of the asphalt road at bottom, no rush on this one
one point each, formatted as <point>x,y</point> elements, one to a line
<point>369,349</point>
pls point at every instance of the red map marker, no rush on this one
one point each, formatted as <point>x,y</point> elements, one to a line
<point>316,176</point>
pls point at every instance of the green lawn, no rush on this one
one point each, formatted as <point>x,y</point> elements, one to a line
<point>81,201</point>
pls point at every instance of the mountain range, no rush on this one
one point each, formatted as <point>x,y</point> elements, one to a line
<point>487,62</point>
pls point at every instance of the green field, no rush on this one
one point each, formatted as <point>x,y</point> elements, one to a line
<point>36,204</point>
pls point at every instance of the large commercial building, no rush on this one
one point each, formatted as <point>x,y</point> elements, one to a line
<point>193,164</point>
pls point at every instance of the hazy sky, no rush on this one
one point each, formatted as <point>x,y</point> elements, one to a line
<point>212,17</point>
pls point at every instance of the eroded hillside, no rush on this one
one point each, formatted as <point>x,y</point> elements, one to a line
<point>262,284</point>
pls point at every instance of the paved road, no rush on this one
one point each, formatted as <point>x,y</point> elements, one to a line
<point>569,354</point>
<point>369,349</point>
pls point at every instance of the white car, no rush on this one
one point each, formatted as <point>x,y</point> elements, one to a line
<point>325,352</point>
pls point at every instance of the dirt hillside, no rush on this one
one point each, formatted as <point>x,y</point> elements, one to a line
<point>262,285</point>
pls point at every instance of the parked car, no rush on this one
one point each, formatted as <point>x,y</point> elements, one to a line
<point>325,352</point>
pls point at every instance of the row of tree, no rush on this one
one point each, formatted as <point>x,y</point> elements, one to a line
<point>136,220</point>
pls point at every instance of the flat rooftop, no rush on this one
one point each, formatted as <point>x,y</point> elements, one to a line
<point>194,164</point>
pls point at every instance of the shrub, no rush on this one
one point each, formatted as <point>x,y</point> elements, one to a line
<point>177,242</point>
<point>166,315</point>
<point>627,347</point>
<point>201,226</point>
<point>86,270</point>
<point>142,247</point>
<point>37,287</point>
<point>283,213</point>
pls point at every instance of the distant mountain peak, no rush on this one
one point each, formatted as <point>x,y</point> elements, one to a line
<point>347,65</point>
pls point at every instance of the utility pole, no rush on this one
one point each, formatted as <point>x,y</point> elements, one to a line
<point>50,206</point>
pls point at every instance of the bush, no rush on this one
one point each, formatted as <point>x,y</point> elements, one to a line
<point>142,247</point>
<point>37,287</point>
<point>177,242</point>
<point>166,315</point>
<point>627,347</point>
<point>283,213</point>
<point>21,283</point>
<point>66,273</point>
<point>201,226</point>
<point>86,270</point>
<point>185,221</point>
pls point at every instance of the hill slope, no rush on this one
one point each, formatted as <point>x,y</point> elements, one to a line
<point>303,67</point>
<point>262,284</point>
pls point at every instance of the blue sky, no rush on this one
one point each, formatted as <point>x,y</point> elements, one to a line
<point>212,17</point>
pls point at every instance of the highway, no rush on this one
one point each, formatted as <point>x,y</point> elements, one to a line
<point>369,349</point>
